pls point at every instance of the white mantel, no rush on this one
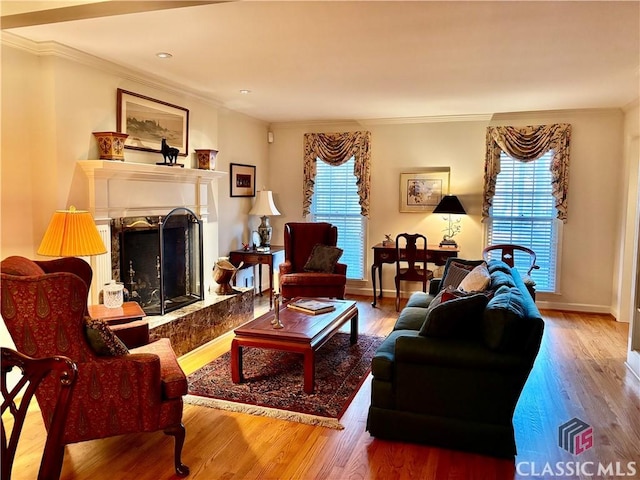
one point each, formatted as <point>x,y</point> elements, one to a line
<point>123,189</point>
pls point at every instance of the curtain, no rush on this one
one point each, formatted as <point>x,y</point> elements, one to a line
<point>336,149</point>
<point>527,144</point>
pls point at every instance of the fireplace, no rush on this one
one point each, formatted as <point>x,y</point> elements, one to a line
<point>159,259</point>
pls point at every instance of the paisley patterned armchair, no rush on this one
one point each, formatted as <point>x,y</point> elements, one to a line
<point>44,305</point>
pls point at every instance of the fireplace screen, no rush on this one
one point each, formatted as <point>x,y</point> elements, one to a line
<point>159,259</point>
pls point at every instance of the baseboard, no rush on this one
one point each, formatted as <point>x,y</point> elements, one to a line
<point>575,307</point>
<point>633,362</point>
<point>543,305</point>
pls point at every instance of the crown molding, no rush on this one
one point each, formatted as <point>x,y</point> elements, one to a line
<point>481,117</point>
<point>485,117</point>
<point>314,124</point>
<point>55,49</point>
<point>504,116</point>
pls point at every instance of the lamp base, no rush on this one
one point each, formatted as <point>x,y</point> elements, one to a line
<point>448,242</point>
<point>265,230</point>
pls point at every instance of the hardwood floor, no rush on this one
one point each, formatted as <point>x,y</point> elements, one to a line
<point>580,372</point>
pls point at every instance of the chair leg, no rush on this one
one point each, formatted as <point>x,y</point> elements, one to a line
<point>51,465</point>
<point>179,433</point>
<point>397,295</point>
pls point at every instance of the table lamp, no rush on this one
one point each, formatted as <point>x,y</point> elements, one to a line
<point>71,233</point>
<point>264,207</point>
<point>450,205</point>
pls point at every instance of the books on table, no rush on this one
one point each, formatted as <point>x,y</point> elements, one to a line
<point>313,307</point>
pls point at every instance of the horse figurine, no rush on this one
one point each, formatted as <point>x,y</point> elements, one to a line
<point>170,154</point>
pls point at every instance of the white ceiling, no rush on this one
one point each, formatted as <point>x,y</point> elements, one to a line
<point>335,60</point>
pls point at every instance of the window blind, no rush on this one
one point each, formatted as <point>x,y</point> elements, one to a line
<point>335,200</point>
<point>523,213</point>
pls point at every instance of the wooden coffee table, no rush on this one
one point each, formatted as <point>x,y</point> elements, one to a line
<point>302,333</point>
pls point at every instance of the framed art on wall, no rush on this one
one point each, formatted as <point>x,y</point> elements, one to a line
<point>242,180</point>
<point>147,121</point>
<point>422,190</point>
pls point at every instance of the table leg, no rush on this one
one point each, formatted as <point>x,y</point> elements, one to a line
<point>236,362</point>
<point>260,279</point>
<point>354,329</point>
<point>373,281</point>
<point>271,284</point>
<point>309,371</point>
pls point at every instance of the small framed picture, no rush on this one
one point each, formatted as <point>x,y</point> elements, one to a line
<point>242,180</point>
<point>422,190</point>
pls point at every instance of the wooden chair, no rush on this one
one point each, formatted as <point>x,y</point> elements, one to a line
<point>411,261</point>
<point>64,373</point>
<point>508,254</point>
<point>516,256</point>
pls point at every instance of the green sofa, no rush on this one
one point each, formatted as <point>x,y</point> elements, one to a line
<point>454,381</point>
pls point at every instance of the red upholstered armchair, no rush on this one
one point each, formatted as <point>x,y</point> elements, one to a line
<point>43,305</point>
<point>299,241</point>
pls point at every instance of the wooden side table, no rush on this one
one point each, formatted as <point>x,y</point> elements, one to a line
<point>126,322</point>
<point>255,257</point>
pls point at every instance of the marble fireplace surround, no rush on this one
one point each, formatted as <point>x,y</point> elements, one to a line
<point>122,189</point>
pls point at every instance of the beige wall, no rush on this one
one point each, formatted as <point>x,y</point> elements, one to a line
<point>594,190</point>
<point>51,104</point>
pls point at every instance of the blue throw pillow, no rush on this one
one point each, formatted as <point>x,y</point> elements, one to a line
<point>501,279</point>
<point>504,320</point>
<point>459,317</point>
<point>498,265</point>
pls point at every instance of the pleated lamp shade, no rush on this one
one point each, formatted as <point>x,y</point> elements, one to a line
<point>71,233</point>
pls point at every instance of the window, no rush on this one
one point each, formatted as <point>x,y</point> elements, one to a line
<point>523,212</point>
<point>335,200</point>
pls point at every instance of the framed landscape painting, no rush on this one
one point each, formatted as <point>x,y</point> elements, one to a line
<point>242,179</point>
<point>147,121</point>
<point>422,190</point>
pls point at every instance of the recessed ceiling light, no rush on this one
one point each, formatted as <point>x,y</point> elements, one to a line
<point>163,55</point>
<point>245,91</point>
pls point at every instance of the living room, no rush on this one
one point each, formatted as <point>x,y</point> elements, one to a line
<point>55,97</point>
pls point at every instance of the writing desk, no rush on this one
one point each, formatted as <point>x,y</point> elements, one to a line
<point>255,257</point>
<point>387,254</point>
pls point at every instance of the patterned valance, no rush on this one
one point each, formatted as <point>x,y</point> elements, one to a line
<point>527,144</point>
<point>336,149</point>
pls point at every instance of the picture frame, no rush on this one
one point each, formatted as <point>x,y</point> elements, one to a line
<point>147,121</point>
<point>422,190</point>
<point>242,180</point>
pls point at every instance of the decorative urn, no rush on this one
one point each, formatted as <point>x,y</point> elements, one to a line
<point>111,145</point>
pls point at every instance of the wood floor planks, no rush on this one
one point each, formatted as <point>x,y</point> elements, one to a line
<point>580,372</point>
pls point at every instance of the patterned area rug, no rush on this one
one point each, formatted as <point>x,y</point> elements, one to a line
<point>273,382</point>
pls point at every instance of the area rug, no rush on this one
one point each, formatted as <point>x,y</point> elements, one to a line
<point>273,382</point>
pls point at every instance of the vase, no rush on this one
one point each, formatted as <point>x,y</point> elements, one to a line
<point>206,159</point>
<point>111,145</point>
